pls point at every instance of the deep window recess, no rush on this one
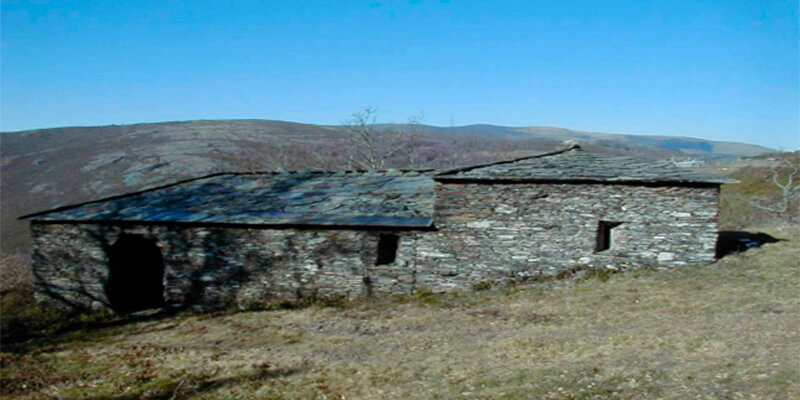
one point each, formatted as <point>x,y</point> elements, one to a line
<point>136,274</point>
<point>387,249</point>
<point>605,235</point>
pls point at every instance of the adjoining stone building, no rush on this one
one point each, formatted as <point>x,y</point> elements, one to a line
<point>254,238</point>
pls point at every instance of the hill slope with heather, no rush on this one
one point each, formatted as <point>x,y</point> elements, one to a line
<point>45,168</point>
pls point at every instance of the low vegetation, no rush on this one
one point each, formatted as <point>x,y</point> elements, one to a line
<point>743,203</point>
<point>723,331</point>
<point>20,318</point>
<point>727,330</point>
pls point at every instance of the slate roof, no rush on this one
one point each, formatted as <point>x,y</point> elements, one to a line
<point>574,165</point>
<point>402,199</point>
<point>302,198</point>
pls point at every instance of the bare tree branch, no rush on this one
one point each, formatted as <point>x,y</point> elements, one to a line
<point>371,149</point>
<point>789,190</point>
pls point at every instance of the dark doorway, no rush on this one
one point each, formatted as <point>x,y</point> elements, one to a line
<point>387,249</point>
<point>136,274</point>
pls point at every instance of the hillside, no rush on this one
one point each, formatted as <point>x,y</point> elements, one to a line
<point>45,168</point>
<point>687,146</point>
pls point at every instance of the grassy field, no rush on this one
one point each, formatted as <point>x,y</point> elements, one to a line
<point>730,330</point>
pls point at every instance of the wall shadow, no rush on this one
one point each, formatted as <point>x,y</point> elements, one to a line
<point>729,242</point>
<point>199,385</point>
<point>99,326</point>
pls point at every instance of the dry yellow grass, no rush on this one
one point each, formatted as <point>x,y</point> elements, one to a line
<point>723,331</point>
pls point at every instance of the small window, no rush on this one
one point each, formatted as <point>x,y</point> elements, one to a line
<point>605,235</point>
<point>387,249</point>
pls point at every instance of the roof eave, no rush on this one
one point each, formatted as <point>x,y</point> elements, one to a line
<point>513,180</point>
<point>418,224</point>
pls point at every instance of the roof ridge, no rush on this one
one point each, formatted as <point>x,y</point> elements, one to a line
<point>585,167</point>
<point>572,146</point>
<point>333,171</point>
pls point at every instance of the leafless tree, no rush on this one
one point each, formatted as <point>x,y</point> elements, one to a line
<point>372,149</point>
<point>276,157</point>
<point>789,186</point>
<point>283,156</point>
<point>413,140</point>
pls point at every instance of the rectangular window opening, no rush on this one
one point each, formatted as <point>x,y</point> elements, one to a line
<point>387,249</point>
<point>605,235</point>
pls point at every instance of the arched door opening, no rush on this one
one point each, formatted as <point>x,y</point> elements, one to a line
<point>136,274</point>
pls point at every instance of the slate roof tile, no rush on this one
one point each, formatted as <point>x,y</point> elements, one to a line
<point>350,199</point>
<point>573,164</point>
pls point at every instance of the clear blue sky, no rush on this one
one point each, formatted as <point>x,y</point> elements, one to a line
<point>723,70</point>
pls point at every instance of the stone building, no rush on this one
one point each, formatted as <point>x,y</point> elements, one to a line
<point>254,238</point>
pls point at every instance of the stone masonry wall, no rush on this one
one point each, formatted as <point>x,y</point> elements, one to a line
<point>493,233</point>
<point>484,234</point>
<point>219,267</point>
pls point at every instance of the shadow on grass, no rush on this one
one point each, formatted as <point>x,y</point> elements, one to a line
<point>47,331</point>
<point>31,328</point>
<point>171,386</point>
<point>192,386</point>
<point>730,242</point>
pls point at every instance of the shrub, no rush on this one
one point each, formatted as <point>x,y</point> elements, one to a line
<point>20,316</point>
<point>481,286</point>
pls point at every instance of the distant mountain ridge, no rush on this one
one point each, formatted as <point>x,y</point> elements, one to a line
<point>703,148</point>
<point>44,168</point>
<point>690,146</point>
